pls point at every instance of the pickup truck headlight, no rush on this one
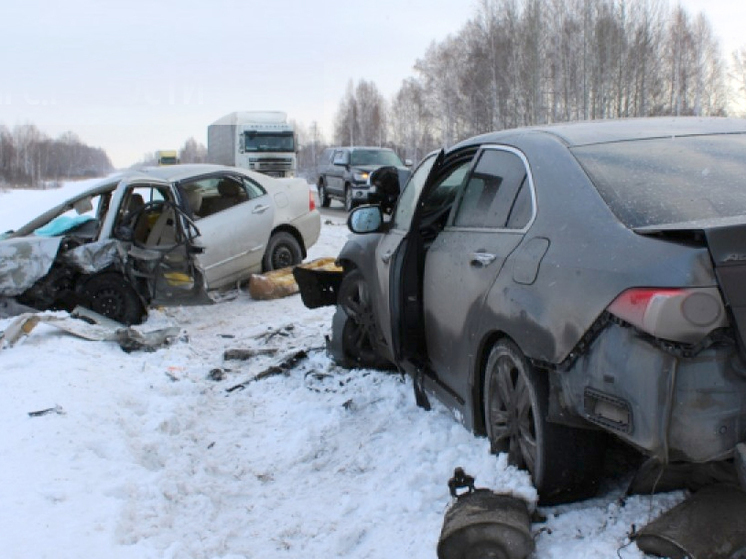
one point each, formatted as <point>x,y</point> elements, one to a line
<point>360,177</point>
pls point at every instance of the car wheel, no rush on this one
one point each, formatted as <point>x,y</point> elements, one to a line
<point>111,295</point>
<point>358,331</point>
<point>349,204</point>
<point>323,196</point>
<point>283,250</point>
<point>564,462</point>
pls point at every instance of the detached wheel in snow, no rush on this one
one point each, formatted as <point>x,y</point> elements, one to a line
<point>564,462</point>
<point>323,196</point>
<point>283,250</point>
<point>358,331</point>
<point>111,295</point>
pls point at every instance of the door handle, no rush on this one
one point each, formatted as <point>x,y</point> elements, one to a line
<point>481,259</point>
<point>386,258</point>
<point>260,209</point>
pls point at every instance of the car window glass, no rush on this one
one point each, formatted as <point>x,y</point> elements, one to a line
<point>411,193</point>
<point>339,158</point>
<point>216,194</point>
<point>669,180</point>
<point>520,213</point>
<point>491,191</point>
<point>253,189</point>
<point>445,192</point>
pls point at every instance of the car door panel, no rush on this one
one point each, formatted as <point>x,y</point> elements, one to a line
<point>460,268</point>
<point>467,258</point>
<point>234,240</point>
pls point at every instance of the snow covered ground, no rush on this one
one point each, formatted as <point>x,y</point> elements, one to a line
<point>147,456</point>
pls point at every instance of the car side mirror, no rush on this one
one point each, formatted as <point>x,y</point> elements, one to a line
<point>365,219</point>
<point>408,162</point>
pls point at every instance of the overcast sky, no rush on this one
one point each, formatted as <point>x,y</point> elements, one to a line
<point>134,77</point>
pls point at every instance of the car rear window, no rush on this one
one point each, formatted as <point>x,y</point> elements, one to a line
<point>669,180</point>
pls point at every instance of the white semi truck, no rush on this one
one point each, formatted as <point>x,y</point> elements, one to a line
<point>261,141</point>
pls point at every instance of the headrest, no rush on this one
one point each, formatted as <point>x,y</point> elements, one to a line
<point>229,188</point>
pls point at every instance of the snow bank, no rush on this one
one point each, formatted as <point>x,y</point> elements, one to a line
<point>152,459</point>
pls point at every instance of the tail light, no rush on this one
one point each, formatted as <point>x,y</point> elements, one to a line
<point>311,200</point>
<point>679,315</point>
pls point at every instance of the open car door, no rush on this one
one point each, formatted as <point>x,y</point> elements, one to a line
<point>149,217</point>
<point>431,209</point>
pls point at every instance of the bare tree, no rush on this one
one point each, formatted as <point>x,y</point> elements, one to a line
<point>193,152</point>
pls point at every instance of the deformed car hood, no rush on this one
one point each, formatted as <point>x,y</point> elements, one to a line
<point>23,261</point>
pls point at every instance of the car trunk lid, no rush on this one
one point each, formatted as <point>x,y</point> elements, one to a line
<point>726,242</point>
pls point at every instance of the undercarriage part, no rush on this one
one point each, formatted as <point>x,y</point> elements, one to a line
<point>709,525</point>
<point>656,477</point>
<point>481,523</point>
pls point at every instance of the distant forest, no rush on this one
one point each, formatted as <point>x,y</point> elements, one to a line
<point>531,62</point>
<point>514,63</point>
<point>29,157</point>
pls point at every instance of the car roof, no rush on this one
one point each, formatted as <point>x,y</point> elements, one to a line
<point>174,173</point>
<point>607,131</point>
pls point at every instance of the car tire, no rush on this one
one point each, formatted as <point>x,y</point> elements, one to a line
<point>349,204</point>
<point>111,295</point>
<point>357,333</point>
<point>564,462</point>
<point>324,199</point>
<point>283,250</point>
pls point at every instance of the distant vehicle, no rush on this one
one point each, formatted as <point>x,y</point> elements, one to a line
<point>344,173</point>
<point>167,157</point>
<point>159,235</point>
<point>262,141</point>
<point>558,283</point>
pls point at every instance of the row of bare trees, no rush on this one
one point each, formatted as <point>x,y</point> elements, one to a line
<point>29,157</point>
<point>527,62</point>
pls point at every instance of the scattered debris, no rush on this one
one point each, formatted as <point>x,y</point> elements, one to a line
<point>238,354</point>
<point>709,525</point>
<point>56,409</point>
<point>171,373</point>
<point>278,369</point>
<point>281,283</point>
<point>482,523</point>
<point>217,375</point>
<point>283,331</point>
<point>86,324</point>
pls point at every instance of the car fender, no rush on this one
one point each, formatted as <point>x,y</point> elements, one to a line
<point>25,260</point>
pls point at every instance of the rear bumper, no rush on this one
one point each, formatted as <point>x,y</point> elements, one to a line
<point>675,408</point>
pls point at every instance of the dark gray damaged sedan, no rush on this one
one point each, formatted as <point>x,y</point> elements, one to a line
<point>555,283</point>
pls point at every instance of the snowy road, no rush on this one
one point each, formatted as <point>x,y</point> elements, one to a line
<point>151,458</point>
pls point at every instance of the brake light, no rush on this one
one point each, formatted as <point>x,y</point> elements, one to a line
<point>311,201</point>
<point>681,315</point>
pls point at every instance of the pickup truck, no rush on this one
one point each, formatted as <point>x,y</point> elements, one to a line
<point>344,174</point>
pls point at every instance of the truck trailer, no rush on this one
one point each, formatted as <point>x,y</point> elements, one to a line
<point>261,141</point>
